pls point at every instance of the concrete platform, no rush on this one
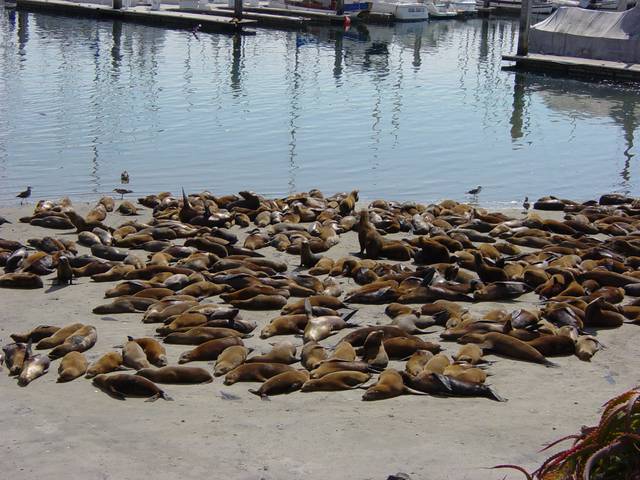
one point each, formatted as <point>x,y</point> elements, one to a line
<point>164,17</point>
<point>576,66</point>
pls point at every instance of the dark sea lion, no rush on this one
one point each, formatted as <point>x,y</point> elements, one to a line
<point>500,291</point>
<point>255,372</point>
<point>176,374</point>
<point>600,314</point>
<point>336,381</point>
<point>553,345</point>
<point>209,350</point>
<point>403,347</point>
<point>285,382</point>
<point>122,385</point>
<point>316,301</point>
<point>20,281</point>
<point>373,351</point>
<point>36,334</point>
<point>79,341</point>
<point>126,304</point>
<point>109,362</point>
<point>261,302</point>
<point>358,336</point>
<point>72,366</point>
<point>64,272</point>
<point>199,335</point>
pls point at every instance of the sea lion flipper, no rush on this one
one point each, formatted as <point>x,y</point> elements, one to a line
<point>116,394</point>
<point>349,315</point>
<point>308,309</point>
<point>550,364</point>
<point>153,398</point>
<point>494,395</point>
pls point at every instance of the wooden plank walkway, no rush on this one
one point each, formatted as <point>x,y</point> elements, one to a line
<point>263,19</point>
<point>576,66</point>
<point>163,17</point>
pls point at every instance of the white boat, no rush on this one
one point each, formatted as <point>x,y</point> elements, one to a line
<point>465,7</point>
<point>440,10</point>
<point>404,11</point>
<point>538,7</point>
<point>351,8</point>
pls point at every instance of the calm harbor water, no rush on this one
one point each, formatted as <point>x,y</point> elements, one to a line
<point>417,111</point>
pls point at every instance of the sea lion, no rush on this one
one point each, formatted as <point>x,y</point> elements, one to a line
<point>133,356</point>
<point>336,381</point>
<point>14,357</point>
<point>327,367</point>
<point>586,347</point>
<point>373,351</point>
<point>312,355</point>
<point>469,353</point>
<point>199,335</point>
<point>109,362</point>
<point>417,362</point>
<point>285,325</point>
<point>261,302</point>
<point>600,314</point>
<point>462,388</point>
<point>64,272</point>
<point>403,347</point>
<point>358,336</point>
<point>348,203</point>
<point>34,366</point>
<point>285,382</point>
<point>316,301</point>
<point>176,374</point>
<point>283,352</point>
<point>465,373</point>
<point>20,281</point>
<point>553,345</point>
<point>209,350</point>
<point>72,366</point>
<point>79,341</point>
<point>390,384</point>
<point>437,363</point>
<point>508,346</point>
<point>230,358</point>
<point>36,334</point>
<point>155,352</point>
<point>344,352</point>
<point>255,372</point>
<point>128,304</point>
<point>123,385</point>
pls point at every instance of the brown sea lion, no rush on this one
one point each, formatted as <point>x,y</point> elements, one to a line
<point>344,351</point>
<point>133,356</point>
<point>390,384</point>
<point>230,358</point>
<point>109,362</point>
<point>34,366</point>
<point>312,355</point>
<point>261,302</point>
<point>209,350</point>
<point>586,347</point>
<point>255,372</point>
<point>122,385</point>
<point>176,374</point>
<point>36,334</point>
<point>80,340</point>
<point>285,325</point>
<point>403,347</point>
<point>553,345</point>
<point>437,363</point>
<point>283,352</point>
<point>72,366</point>
<point>417,362</point>
<point>336,381</point>
<point>282,383</point>
<point>373,351</point>
<point>327,367</point>
<point>508,346</point>
<point>20,280</point>
<point>14,357</point>
<point>154,351</point>
<point>358,336</point>
<point>469,353</point>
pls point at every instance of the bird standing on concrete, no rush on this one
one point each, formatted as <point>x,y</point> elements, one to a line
<point>475,191</point>
<point>24,195</point>
<point>526,204</point>
<point>124,177</point>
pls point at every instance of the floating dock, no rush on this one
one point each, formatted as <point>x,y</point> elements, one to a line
<point>584,67</point>
<point>167,17</point>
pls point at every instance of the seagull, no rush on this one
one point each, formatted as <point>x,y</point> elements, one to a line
<point>122,192</point>
<point>24,195</point>
<point>124,177</point>
<point>526,204</point>
<point>475,191</point>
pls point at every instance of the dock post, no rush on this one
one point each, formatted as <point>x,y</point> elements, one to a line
<point>237,9</point>
<point>339,7</point>
<point>525,24</point>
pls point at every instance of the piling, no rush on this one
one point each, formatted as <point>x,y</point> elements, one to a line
<point>525,25</point>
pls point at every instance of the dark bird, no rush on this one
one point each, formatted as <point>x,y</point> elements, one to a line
<point>124,177</point>
<point>475,191</point>
<point>195,31</point>
<point>526,204</point>
<point>24,195</point>
<point>122,192</point>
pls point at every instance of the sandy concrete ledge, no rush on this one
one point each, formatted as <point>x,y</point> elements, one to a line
<point>74,431</point>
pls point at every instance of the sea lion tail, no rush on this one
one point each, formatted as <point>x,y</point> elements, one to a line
<point>348,316</point>
<point>308,309</point>
<point>494,395</point>
<point>550,364</point>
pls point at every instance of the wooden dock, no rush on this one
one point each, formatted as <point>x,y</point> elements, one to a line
<point>165,17</point>
<point>262,19</point>
<point>584,67</point>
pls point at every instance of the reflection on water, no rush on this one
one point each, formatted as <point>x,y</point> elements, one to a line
<point>413,111</point>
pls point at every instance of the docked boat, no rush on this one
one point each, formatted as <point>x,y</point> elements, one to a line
<point>404,11</point>
<point>351,8</point>
<point>538,7</point>
<point>464,7</point>
<point>440,10</point>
